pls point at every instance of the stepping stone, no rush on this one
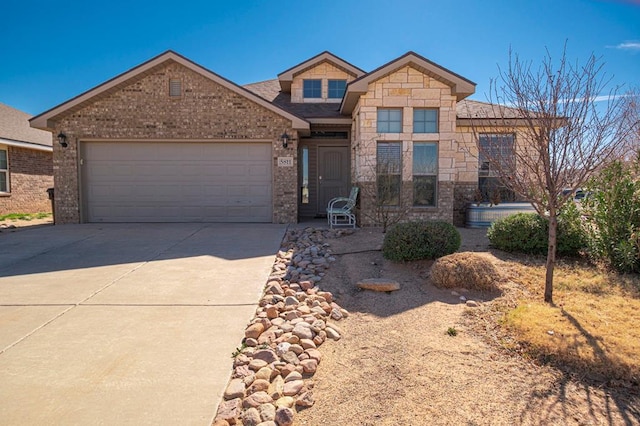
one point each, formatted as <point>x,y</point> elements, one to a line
<point>379,284</point>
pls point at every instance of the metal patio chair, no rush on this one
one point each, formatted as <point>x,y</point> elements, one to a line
<point>340,210</point>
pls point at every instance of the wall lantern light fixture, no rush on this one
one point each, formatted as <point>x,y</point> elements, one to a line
<point>62,140</point>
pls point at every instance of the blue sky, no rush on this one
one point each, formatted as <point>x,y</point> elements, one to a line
<point>52,51</point>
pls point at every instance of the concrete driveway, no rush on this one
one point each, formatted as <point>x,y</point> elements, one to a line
<point>125,323</point>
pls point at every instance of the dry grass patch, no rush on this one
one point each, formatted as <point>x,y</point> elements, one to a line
<point>470,270</point>
<point>593,326</point>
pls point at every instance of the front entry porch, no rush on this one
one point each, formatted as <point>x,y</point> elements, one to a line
<point>325,172</point>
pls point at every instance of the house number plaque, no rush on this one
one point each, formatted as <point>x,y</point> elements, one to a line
<point>285,161</point>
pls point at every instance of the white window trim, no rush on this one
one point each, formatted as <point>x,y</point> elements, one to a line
<point>6,171</point>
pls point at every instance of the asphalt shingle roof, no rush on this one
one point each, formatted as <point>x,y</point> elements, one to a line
<point>465,109</point>
<point>475,109</point>
<point>14,125</point>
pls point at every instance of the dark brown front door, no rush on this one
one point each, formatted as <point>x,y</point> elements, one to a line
<point>333,174</point>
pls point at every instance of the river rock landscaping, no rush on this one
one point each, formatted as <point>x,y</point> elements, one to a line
<point>274,367</point>
<point>412,356</point>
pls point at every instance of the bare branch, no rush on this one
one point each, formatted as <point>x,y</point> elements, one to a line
<point>562,135</point>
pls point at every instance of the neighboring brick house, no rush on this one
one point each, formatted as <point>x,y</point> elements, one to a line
<point>26,168</point>
<point>172,141</point>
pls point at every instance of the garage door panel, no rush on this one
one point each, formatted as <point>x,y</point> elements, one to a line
<point>177,182</point>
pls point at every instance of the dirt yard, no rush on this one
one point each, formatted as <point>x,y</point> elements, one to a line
<point>397,365</point>
<point>14,225</point>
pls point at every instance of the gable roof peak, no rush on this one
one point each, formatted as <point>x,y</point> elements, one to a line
<point>46,120</point>
<point>461,87</point>
<point>286,77</point>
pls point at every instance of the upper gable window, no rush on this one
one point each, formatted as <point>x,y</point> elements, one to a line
<point>312,89</point>
<point>389,120</point>
<point>425,120</point>
<point>337,88</point>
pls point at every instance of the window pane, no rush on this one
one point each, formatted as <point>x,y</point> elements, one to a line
<point>425,159</point>
<point>305,175</point>
<point>3,159</point>
<point>3,182</point>
<point>424,190</point>
<point>389,190</point>
<point>337,88</point>
<point>425,120</point>
<point>389,120</point>
<point>495,150</point>
<point>312,88</point>
<point>389,159</point>
<point>493,189</point>
<point>389,168</point>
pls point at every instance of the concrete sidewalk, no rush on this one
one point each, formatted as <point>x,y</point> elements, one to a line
<point>125,323</point>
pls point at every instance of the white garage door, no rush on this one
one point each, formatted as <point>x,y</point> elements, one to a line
<point>176,182</point>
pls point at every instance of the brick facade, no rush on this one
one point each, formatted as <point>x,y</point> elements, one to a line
<point>143,110</point>
<point>463,194</point>
<point>30,174</point>
<point>137,107</point>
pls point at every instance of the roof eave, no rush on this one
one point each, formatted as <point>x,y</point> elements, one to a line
<point>350,100</point>
<point>460,86</point>
<point>46,120</point>
<point>492,121</point>
<point>330,120</point>
<point>27,145</point>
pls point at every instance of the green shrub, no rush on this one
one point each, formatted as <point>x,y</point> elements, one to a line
<point>612,209</point>
<point>572,238</point>
<point>521,232</point>
<point>420,240</point>
<point>529,233</point>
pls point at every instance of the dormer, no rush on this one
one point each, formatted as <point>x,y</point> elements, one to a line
<point>321,79</point>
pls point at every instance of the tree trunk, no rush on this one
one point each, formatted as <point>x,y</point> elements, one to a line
<point>551,256</point>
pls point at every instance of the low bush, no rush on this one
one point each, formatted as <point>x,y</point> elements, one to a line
<point>465,270</point>
<point>420,240</point>
<point>521,232</point>
<point>529,233</point>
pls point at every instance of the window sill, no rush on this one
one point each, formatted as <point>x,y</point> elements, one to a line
<point>5,194</point>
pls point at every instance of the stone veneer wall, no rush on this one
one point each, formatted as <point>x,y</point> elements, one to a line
<point>30,174</point>
<point>323,71</point>
<point>143,110</point>
<point>467,182</point>
<point>408,88</point>
<point>369,214</point>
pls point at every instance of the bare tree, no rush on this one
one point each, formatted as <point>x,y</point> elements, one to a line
<point>565,123</point>
<point>631,115</point>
